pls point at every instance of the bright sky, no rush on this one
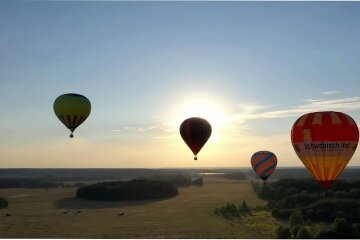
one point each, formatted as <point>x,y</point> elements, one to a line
<point>250,68</point>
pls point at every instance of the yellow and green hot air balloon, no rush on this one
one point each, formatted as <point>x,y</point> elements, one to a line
<point>72,110</point>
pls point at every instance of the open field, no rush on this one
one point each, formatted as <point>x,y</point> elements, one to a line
<point>38,213</point>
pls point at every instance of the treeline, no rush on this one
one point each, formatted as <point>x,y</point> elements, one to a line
<point>78,174</point>
<point>302,202</point>
<point>232,212</point>
<point>235,176</point>
<point>137,189</point>
<point>178,180</point>
<point>3,202</point>
<point>27,183</point>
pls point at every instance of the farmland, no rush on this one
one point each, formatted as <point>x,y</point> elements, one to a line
<point>38,213</point>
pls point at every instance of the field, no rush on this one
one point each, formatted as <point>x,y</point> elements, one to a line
<point>38,213</point>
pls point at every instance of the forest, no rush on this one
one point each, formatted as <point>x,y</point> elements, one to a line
<point>303,204</point>
<point>27,183</point>
<point>3,202</point>
<point>137,189</point>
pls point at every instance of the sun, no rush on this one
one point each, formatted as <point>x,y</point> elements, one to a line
<point>207,108</point>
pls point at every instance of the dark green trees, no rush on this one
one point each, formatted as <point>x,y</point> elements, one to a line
<point>3,202</point>
<point>138,189</point>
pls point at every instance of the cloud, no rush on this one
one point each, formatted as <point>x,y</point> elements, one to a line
<point>148,128</point>
<point>332,92</point>
<point>311,105</point>
<point>238,121</point>
<point>311,100</point>
<point>143,128</point>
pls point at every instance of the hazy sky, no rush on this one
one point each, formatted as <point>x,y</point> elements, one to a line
<point>250,68</point>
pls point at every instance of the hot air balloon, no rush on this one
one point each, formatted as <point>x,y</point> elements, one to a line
<point>325,143</point>
<point>264,164</point>
<point>72,110</point>
<point>195,132</point>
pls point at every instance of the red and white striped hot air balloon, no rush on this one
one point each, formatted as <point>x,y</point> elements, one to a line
<point>325,143</point>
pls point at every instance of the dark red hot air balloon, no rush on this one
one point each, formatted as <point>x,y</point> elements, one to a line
<point>195,132</point>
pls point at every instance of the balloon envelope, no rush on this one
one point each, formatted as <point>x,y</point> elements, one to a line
<point>325,143</point>
<point>195,132</point>
<point>264,163</point>
<point>72,110</point>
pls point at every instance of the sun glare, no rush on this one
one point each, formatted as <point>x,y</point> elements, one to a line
<point>214,112</point>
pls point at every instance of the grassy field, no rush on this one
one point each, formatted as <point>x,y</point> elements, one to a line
<point>38,213</point>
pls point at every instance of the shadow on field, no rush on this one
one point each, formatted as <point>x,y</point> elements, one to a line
<point>92,204</point>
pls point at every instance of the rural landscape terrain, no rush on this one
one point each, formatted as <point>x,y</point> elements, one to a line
<point>105,105</point>
<point>55,212</point>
